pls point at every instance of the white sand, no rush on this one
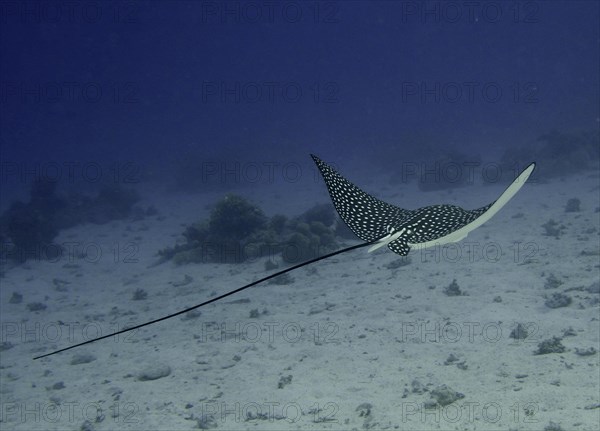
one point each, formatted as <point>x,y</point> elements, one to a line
<point>349,330</point>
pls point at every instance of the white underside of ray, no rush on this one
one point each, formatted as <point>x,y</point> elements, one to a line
<point>462,233</point>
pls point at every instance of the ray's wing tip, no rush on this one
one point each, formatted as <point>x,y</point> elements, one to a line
<point>529,169</point>
<point>320,163</point>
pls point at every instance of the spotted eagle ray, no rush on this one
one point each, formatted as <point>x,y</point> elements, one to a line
<point>378,224</point>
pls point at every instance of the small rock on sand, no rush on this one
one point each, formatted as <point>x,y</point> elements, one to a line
<point>153,372</point>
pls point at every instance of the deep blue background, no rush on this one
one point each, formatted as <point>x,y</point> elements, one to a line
<point>141,81</point>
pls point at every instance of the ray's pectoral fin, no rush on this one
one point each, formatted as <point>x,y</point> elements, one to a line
<point>462,232</point>
<point>367,216</point>
<point>443,224</point>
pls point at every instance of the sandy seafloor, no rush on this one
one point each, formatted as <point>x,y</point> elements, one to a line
<point>365,344</point>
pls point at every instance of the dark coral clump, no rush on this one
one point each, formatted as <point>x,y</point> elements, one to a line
<point>453,289</point>
<point>277,223</point>
<point>111,203</point>
<point>27,230</point>
<point>553,228</point>
<point>238,231</point>
<point>551,345</point>
<point>308,241</point>
<point>319,213</point>
<point>573,206</point>
<point>235,231</point>
<point>311,234</point>
<point>234,217</point>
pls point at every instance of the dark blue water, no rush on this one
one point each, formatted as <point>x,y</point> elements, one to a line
<point>143,85</point>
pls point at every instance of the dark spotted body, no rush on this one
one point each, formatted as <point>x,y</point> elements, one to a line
<point>371,218</point>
